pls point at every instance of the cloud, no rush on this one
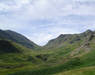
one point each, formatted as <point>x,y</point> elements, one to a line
<point>47,19</point>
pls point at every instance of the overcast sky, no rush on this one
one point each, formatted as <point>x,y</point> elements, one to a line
<point>42,20</point>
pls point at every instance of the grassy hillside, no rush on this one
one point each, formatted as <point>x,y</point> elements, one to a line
<point>7,47</point>
<point>74,66</point>
<point>81,71</point>
<point>15,57</point>
<point>18,38</point>
<point>69,39</point>
<point>63,55</point>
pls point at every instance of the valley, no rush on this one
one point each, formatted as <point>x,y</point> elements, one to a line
<point>68,54</point>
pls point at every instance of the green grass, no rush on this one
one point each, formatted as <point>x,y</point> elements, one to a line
<point>81,71</point>
<point>51,70</point>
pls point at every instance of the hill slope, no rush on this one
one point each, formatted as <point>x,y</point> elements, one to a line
<point>7,47</point>
<point>18,38</point>
<point>15,57</point>
<point>69,39</point>
<point>63,55</point>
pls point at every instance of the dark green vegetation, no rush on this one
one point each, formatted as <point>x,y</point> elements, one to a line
<point>7,47</point>
<point>52,70</point>
<point>65,55</point>
<point>18,38</point>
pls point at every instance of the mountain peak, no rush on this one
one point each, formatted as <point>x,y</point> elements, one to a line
<point>88,31</point>
<point>61,35</point>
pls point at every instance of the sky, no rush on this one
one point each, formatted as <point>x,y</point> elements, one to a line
<point>43,20</point>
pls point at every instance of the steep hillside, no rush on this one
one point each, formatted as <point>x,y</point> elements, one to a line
<point>7,47</point>
<point>18,38</point>
<point>69,40</point>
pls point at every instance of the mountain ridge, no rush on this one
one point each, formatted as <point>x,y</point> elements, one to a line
<point>8,33</point>
<point>18,38</point>
<point>71,38</point>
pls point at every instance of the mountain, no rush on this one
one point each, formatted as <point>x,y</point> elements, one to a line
<point>69,39</point>
<point>18,38</point>
<point>65,55</point>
